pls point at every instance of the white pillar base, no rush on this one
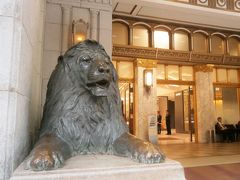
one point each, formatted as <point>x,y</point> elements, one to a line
<point>105,167</point>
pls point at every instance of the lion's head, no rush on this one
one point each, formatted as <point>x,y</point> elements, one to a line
<point>83,104</point>
<point>92,65</point>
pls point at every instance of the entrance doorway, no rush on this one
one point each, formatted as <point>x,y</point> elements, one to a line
<point>178,100</point>
<point>126,93</point>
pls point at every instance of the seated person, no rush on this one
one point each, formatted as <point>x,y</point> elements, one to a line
<point>227,133</point>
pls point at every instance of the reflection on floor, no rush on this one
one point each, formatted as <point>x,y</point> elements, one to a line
<point>196,154</point>
<point>174,138</point>
<point>202,161</point>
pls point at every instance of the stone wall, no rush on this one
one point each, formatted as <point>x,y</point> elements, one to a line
<point>59,17</point>
<point>20,65</point>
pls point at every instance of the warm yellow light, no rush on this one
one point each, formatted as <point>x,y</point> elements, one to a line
<point>148,78</point>
<point>161,39</point>
<point>79,38</point>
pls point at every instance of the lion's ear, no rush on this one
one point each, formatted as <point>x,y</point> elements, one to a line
<point>60,59</point>
<point>62,62</point>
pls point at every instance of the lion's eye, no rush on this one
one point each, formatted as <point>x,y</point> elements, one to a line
<point>86,59</point>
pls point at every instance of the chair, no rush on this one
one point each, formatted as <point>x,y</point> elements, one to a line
<point>218,135</point>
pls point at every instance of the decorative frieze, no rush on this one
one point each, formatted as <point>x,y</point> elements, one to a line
<point>202,2</point>
<point>172,55</point>
<point>232,5</point>
<point>231,60</point>
<point>237,5</point>
<point>221,4</point>
<point>206,58</point>
<point>127,51</point>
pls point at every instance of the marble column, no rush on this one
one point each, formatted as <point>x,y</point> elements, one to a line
<point>94,24</point>
<point>21,24</point>
<point>145,99</point>
<point>105,30</point>
<point>205,101</point>
<point>66,27</point>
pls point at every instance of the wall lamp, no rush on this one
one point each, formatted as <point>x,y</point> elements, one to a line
<point>79,31</point>
<point>148,78</point>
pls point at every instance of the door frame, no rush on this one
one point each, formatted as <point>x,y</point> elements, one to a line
<point>185,83</point>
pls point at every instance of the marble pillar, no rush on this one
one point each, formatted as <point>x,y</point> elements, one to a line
<point>205,101</point>
<point>105,30</point>
<point>94,24</point>
<point>66,27</point>
<point>21,27</point>
<point>145,98</point>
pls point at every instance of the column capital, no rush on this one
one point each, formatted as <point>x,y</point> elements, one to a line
<point>146,63</point>
<point>203,68</point>
<point>94,11</point>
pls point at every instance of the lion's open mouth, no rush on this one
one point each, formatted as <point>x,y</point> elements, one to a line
<point>101,84</point>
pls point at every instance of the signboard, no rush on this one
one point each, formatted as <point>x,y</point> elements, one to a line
<point>152,129</point>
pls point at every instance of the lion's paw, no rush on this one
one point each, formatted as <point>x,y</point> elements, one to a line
<point>44,160</point>
<point>147,153</point>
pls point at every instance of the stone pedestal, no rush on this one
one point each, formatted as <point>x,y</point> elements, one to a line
<point>105,167</point>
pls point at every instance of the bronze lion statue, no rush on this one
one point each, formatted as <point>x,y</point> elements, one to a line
<point>82,113</point>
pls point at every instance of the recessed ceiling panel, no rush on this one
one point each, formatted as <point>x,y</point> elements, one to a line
<point>124,8</point>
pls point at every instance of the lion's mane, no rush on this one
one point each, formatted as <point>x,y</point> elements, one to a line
<point>88,124</point>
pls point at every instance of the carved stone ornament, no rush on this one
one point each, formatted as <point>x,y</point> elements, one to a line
<point>221,3</point>
<point>128,51</point>
<point>237,5</point>
<point>174,55</point>
<point>83,115</point>
<point>233,60</point>
<point>146,63</point>
<point>171,55</point>
<point>206,58</point>
<point>203,68</point>
<point>202,2</point>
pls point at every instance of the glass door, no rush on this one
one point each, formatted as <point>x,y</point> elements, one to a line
<point>126,93</point>
<point>188,111</point>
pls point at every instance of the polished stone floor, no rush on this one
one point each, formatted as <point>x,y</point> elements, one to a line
<point>174,138</point>
<point>196,154</point>
<point>219,172</point>
<point>207,161</point>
